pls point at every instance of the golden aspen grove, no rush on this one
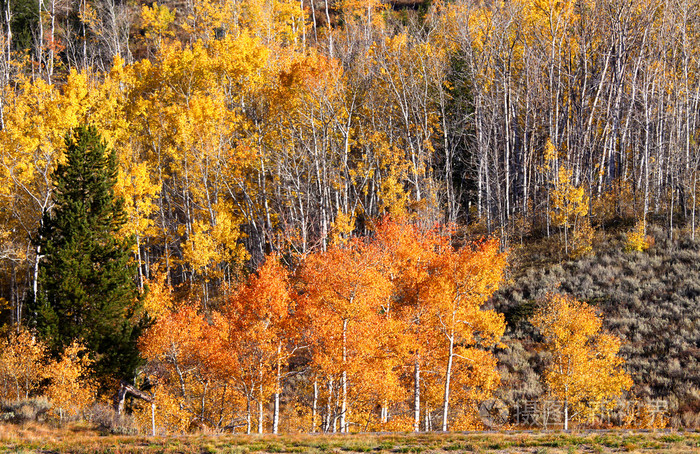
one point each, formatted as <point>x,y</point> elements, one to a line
<point>342,216</point>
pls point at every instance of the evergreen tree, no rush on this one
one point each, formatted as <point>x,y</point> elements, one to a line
<point>87,288</point>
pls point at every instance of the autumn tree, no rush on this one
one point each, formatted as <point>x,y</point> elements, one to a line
<point>584,369</point>
<point>462,281</point>
<point>569,202</point>
<point>70,389</point>
<point>345,292</point>
<point>88,289</point>
<point>408,252</point>
<point>21,369</point>
<point>256,323</point>
<point>181,350</point>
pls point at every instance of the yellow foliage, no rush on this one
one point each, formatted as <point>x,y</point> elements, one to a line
<point>394,197</point>
<point>550,153</point>
<point>617,201</point>
<point>342,228</point>
<point>365,11</point>
<point>641,416</point>
<point>479,23</point>
<point>205,17</point>
<point>208,246</point>
<point>584,370</point>
<point>200,251</point>
<point>568,201</point>
<point>275,22</point>
<point>395,423</point>
<point>37,117</point>
<point>69,391</point>
<point>170,417</point>
<point>139,193</point>
<point>21,355</point>
<point>584,233</point>
<point>159,299</point>
<point>227,234</point>
<point>156,21</point>
<point>636,239</point>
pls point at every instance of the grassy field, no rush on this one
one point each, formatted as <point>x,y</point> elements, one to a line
<point>41,439</point>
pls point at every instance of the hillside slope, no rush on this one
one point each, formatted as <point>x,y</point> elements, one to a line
<point>650,299</point>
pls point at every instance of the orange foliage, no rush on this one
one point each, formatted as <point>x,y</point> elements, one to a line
<point>254,330</point>
<point>179,348</point>
<point>344,293</point>
<point>462,281</point>
<point>366,311</point>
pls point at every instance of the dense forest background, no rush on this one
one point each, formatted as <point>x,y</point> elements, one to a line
<point>249,127</point>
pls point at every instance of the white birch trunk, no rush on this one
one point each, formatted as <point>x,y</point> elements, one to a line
<point>276,416</point>
<point>344,384</point>
<point>448,374</point>
<point>153,418</point>
<point>416,394</point>
<point>314,407</point>
<point>261,414</point>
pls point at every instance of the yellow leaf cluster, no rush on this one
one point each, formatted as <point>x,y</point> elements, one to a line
<point>585,369</point>
<point>640,415</point>
<point>582,244</point>
<point>170,416</point>
<point>70,391</point>
<point>156,20</point>
<point>568,201</point>
<point>21,370</point>
<point>140,193</point>
<point>208,245</point>
<point>159,299</point>
<point>637,239</point>
<point>342,228</point>
<point>550,154</point>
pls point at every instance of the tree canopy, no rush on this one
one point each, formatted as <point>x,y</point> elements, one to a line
<point>585,370</point>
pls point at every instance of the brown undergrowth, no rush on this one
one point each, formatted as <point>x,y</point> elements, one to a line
<point>76,438</point>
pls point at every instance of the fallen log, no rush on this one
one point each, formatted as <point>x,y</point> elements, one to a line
<point>124,389</point>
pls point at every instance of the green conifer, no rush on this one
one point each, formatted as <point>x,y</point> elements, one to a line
<point>87,288</point>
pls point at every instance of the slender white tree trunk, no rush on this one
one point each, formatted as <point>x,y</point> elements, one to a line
<point>314,407</point>
<point>329,406</point>
<point>261,414</point>
<point>276,416</point>
<point>36,274</point>
<point>448,374</point>
<point>248,417</point>
<point>330,31</point>
<point>153,418</point>
<point>344,384</point>
<point>416,394</point>
<point>40,47</point>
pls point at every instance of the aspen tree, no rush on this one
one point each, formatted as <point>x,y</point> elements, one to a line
<point>585,369</point>
<point>462,281</point>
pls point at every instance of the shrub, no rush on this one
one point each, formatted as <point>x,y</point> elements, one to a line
<point>20,411</point>
<point>107,419</point>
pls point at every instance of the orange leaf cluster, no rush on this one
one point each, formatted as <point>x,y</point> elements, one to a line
<point>358,321</point>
